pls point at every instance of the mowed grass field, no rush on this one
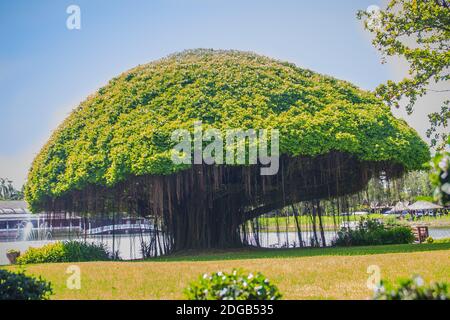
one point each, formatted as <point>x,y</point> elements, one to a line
<point>333,273</point>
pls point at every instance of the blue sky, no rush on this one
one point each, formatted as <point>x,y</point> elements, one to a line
<point>47,69</point>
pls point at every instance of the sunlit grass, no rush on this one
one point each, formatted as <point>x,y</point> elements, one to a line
<point>261,253</point>
<point>336,273</point>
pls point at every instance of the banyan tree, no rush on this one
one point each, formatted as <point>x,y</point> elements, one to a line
<point>113,154</point>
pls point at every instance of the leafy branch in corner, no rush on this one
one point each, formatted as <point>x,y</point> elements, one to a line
<point>418,31</point>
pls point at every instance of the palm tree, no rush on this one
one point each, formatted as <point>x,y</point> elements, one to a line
<point>8,192</point>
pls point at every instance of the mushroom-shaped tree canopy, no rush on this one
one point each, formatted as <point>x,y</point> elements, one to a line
<point>113,153</point>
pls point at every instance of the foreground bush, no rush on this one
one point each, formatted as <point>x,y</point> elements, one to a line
<point>68,251</point>
<point>372,232</point>
<point>429,240</point>
<point>413,289</point>
<point>236,285</point>
<point>18,286</point>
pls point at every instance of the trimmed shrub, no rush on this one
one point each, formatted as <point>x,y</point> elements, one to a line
<point>374,232</point>
<point>412,289</point>
<point>68,251</point>
<point>18,286</point>
<point>236,285</point>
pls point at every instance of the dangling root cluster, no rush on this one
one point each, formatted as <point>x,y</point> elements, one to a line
<point>212,206</point>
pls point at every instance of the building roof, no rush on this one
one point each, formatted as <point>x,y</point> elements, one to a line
<point>424,205</point>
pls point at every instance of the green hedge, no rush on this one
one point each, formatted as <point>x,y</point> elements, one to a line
<point>440,175</point>
<point>373,232</point>
<point>68,251</point>
<point>18,286</point>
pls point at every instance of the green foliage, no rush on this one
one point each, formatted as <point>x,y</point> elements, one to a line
<point>415,184</point>
<point>125,128</point>
<point>440,175</point>
<point>374,232</point>
<point>68,251</point>
<point>412,289</point>
<point>429,240</point>
<point>236,285</point>
<point>18,286</point>
<point>419,32</point>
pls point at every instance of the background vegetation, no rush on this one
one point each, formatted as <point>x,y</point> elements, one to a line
<point>419,32</point>
<point>18,286</point>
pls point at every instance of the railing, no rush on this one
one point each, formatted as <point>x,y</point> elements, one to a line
<point>118,227</point>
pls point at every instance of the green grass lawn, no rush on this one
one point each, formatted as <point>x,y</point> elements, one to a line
<point>332,273</point>
<point>262,253</point>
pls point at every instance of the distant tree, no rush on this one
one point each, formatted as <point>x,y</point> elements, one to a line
<point>378,191</point>
<point>419,31</point>
<point>8,192</point>
<point>412,185</point>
